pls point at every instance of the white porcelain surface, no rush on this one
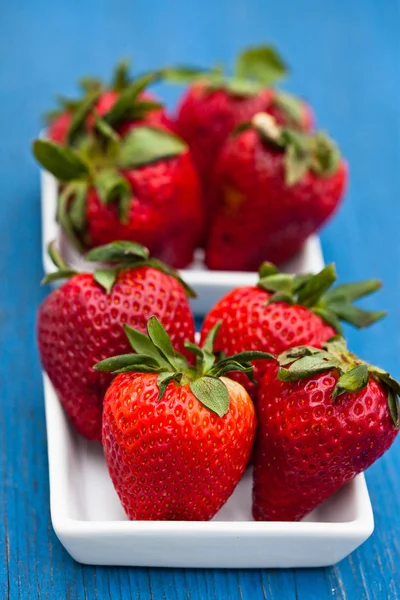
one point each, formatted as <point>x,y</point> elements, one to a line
<point>209,285</point>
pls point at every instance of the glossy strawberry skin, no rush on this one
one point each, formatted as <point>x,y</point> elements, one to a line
<point>165,212</point>
<point>257,215</point>
<point>58,128</point>
<point>309,446</point>
<point>206,118</point>
<point>174,459</point>
<point>249,324</point>
<point>80,324</point>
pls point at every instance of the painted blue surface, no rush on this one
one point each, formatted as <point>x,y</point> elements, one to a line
<point>345,57</point>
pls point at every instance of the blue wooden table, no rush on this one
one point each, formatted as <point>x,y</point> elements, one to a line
<point>345,56</point>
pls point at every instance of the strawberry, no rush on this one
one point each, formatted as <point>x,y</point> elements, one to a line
<point>274,186</point>
<point>283,311</point>
<point>323,417</point>
<point>176,438</point>
<point>81,323</point>
<point>215,104</point>
<point>142,187</point>
<point>123,105</point>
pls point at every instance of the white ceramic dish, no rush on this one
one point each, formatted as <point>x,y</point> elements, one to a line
<point>88,518</point>
<point>209,285</point>
<point>89,521</point>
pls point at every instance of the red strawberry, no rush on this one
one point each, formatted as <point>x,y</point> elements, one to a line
<point>214,105</point>
<point>123,105</point>
<point>142,188</point>
<point>322,420</point>
<point>176,438</point>
<point>272,188</point>
<point>284,311</point>
<point>81,323</point>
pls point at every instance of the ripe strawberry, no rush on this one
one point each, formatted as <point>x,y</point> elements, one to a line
<point>284,311</point>
<point>322,420</point>
<point>176,438</point>
<point>123,105</point>
<point>81,323</point>
<point>272,188</point>
<point>215,104</point>
<point>142,188</point>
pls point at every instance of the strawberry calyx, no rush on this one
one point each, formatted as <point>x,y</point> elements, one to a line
<point>128,105</point>
<point>303,151</point>
<point>256,68</point>
<point>111,259</point>
<point>100,163</point>
<point>154,353</point>
<point>291,106</point>
<point>315,291</point>
<point>306,361</point>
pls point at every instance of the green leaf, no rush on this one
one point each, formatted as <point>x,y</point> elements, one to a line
<point>250,355</point>
<point>89,84</point>
<point>352,381</point>
<point>329,317</point>
<point>55,256</point>
<point>213,393</point>
<point>305,367</point>
<point>209,342</point>
<point>140,368</point>
<point>112,186</point>
<point>104,128</point>
<point>64,163</point>
<point>232,366</point>
<point>127,99</point>
<point>161,340</point>
<point>60,274</point>
<point>291,106</point>
<point>116,363</point>
<point>355,316</point>
<point>80,114</point>
<point>183,74</point>
<point>163,380</point>
<point>394,407</point>
<point>144,145</point>
<point>386,378</point>
<point>326,155</point>
<point>352,291</point>
<point>279,282</point>
<point>239,86</point>
<point>316,286</point>
<point>297,163</point>
<point>266,269</point>
<point>142,107</point>
<point>143,345</point>
<point>106,278</point>
<point>63,218</point>
<point>280,297</point>
<point>121,75</point>
<point>115,252</point>
<point>262,64</point>
<point>300,280</point>
<point>77,209</point>
<point>293,354</point>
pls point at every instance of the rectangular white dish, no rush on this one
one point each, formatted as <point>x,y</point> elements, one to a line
<point>90,523</point>
<point>209,285</point>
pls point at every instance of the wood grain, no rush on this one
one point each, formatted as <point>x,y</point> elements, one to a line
<point>345,55</point>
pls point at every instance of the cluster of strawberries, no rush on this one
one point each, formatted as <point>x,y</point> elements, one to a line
<point>238,170</point>
<point>271,378</point>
